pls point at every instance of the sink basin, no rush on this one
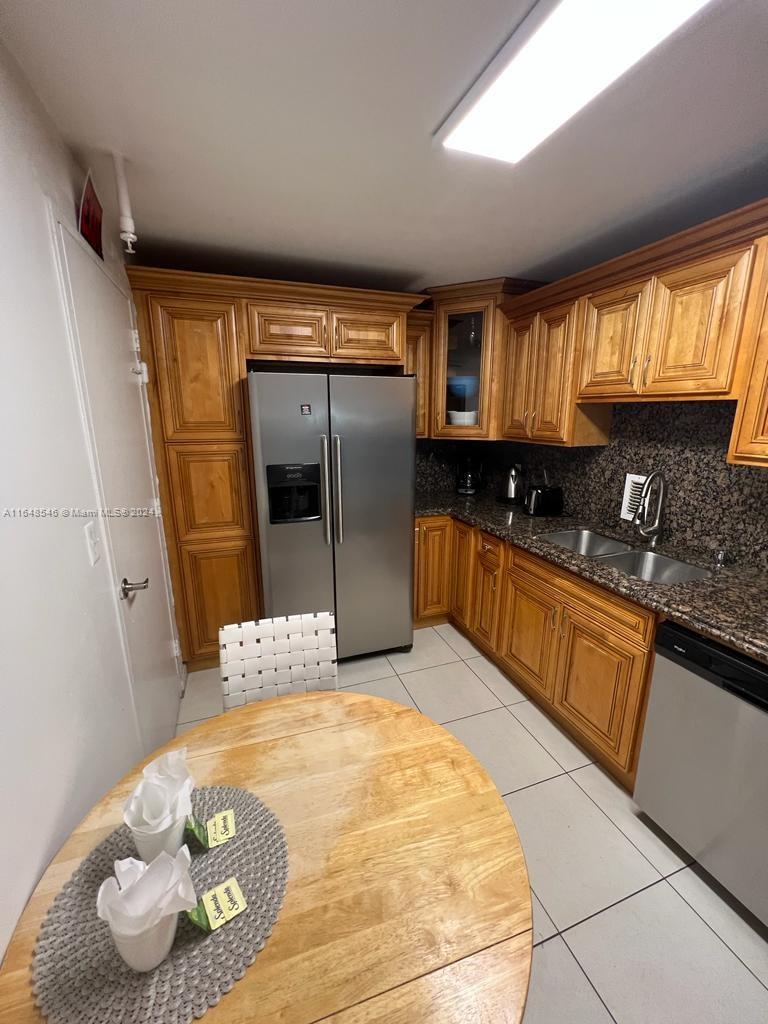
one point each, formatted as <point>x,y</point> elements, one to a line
<point>585,542</point>
<point>647,565</point>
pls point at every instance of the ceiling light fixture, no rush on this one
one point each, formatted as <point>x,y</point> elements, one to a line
<point>534,86</point>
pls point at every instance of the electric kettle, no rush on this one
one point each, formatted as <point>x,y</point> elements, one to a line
<point>513,491</point>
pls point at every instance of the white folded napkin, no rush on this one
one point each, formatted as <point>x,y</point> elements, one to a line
<point>163,795</point>
<point>140,895</point>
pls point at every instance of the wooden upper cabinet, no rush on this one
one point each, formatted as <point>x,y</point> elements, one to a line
<point>464,542</point>
<point>417,351</point>
<point>296,332</point>
<point>528,633</point>
<point>209,484</point>
<point>516,404</point>
<point>552,362</point>
<point>615,327</point>
<point>749,441</point>
<point>599,685</point>
<point>696,319</point>
<point>462,367</point>
<point>195,346</point>
<point>219,583</point>
<point>367,334</point>
<point>433,566</point>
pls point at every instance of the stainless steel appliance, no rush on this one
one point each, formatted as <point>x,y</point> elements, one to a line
<point>703,771</point>
<point>513,491</point>
<point>334,468</point>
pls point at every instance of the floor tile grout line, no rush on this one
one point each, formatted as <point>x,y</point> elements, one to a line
<point>521,789</point>
<point>540,742</point>
<point>363,682</point>
<point>426,668</point>
<point>591,983</point>
<point>714,932</point>
<point>402,682</point>
<point>605,813</point>
<point>477,674</point>
<point>616,903</point>
<point>557,932</point>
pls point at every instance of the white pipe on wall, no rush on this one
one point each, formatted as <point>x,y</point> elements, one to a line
<point>127,227</point>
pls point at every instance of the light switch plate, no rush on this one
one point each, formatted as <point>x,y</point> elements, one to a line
<point>93,542</point>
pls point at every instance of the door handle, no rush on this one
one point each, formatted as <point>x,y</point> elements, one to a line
<point>645,372</point>
<point>632,372</point>
<point>564,623</point>
<point>493,583</point>
<point>339,497</point>
<point>326,477</point>
<point>554,618</point>
<point>127,588</point>
<point>533,420</point>
<point>525,420</point>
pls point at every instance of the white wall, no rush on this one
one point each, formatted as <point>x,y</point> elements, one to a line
<point>67,726</point>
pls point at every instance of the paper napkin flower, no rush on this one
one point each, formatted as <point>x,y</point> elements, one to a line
<point>140,895</point>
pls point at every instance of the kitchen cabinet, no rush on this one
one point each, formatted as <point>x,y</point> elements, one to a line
<point>195,346</point>
<point>615,327</point>
<point>209,483</point>
<point>486,589</point>
<point>599,684</point>
<point>528,634</point>
<point>432,566</point>
<point>418,346</point>
<point>464,543</point>
<point>377,337</point>
<point>276,330</point>
<point>673,335</point>
<point>749,441</point>
<point>220,581</point>
<point>538,402</point>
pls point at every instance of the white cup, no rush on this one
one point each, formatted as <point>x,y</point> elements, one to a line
<point>150,844</point>
<point>143,952</point>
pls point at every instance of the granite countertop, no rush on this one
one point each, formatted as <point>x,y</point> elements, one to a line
<point>731,606</point>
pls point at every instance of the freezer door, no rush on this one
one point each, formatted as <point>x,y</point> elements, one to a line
<point>373,457</point>
<point>289,425</point>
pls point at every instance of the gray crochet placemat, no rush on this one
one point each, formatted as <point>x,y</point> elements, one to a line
<point>78,976</point>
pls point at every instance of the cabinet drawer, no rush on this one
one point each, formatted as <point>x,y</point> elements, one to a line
<point>491,547</point>
<point>210,490</point>
<point>604,607</point>
<point>366,334</point>
<point>289,331</point>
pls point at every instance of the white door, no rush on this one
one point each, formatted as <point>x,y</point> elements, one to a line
<point>115,408</point>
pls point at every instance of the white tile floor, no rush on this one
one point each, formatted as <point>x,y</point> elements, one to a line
<point>625,930</point>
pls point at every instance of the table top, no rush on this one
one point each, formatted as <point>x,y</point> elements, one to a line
<point>407,897</point>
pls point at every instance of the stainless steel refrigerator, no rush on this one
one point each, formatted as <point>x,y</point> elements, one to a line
<point>334,464</point>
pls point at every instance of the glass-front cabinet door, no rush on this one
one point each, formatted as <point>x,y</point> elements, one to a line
<point>463,366</point>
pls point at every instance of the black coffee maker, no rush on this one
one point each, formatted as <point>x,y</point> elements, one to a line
<point>469,477</point>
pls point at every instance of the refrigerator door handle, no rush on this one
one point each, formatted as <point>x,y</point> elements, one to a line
<point>337,489</point>
<point>326,475</point>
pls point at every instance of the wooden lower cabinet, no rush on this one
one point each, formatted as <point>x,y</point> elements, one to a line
<point>529,633</point>
<point>486,590</point>
<point>599,685</point>
<point>432,566</point>
<point>464,543</point>
<point>220,587</point>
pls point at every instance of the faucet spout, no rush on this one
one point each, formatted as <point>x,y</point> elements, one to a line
<point>651,531</point>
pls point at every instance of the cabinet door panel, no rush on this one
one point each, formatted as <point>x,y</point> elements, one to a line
<point>277,330</point>
<point>528,634</point>
<point>749,443</point>
<point>599,686</point>
<point>517,397</point>
<point>696,319</point>
<point>195,345</point>
<point>462,367</point>
<point>434,567</point>
<point>614,333</point>
<point>485,606</point>
<point>464,544</point>
<point>552,374</point>
<point>210,490</point>
<point>417,362</point>
<point>219,588</point>
<point>366,334</point>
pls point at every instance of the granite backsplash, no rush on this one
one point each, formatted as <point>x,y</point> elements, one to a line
<point>710,505</point>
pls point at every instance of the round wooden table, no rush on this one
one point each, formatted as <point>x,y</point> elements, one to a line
<point>407,897</point>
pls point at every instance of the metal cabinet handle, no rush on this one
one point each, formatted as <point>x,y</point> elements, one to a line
<point>564,624</point>
<point>645,372</point>
<point>339,498</point>
<point>525,420</point>
<point>554,618</point>
<point>493,582</point>
<point>326,476</point>
<point>127,588</point>
<point>632,372</point>
<point>533,420</point>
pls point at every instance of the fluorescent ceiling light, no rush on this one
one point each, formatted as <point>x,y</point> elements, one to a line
<point>581,48</point>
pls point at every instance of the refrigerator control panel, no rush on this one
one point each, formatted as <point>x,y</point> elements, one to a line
<point>294,492</point>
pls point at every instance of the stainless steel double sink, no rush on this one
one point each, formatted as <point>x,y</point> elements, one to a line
<point>643,565</point>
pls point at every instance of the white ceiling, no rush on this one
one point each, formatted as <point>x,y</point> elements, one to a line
<point>293,139</point>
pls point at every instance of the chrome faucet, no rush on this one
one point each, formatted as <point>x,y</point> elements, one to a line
<point>651,532</point>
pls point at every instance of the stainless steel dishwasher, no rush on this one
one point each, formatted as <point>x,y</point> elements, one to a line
<point>703,771</point>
